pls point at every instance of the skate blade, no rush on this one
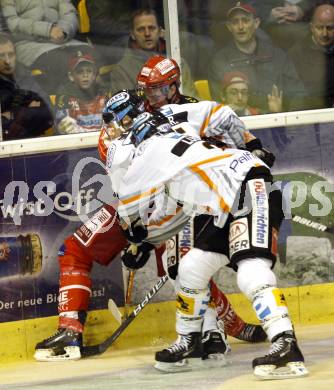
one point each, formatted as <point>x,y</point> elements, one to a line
<point>180,366</point>
<point>47,355</point>
<point>291,370</point>
<point>214,360</point>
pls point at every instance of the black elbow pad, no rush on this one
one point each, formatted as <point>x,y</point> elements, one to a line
<point>254,144</point>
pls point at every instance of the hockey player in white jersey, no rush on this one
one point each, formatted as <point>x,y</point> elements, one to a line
<point>233,187</point>
<point>159,81</point>
<point>215,122</point>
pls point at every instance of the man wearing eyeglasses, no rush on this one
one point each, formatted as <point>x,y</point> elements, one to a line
<point>235,93</point>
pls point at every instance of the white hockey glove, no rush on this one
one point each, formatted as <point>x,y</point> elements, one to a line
<point>68,125</point>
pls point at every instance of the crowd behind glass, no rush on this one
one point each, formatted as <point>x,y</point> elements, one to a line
<point>60,59</point>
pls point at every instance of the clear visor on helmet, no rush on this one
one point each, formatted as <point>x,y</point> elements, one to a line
<point>156,95</point>
<point>156,91</point>
<point>111,116</point>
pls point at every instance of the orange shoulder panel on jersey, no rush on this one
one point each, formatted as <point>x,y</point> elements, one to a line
<point>206,121</point>
<point>201,173</point>
<point>248,136</point>
<point>102,145</point>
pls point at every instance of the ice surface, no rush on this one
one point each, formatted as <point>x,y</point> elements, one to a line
<point>133,370</point>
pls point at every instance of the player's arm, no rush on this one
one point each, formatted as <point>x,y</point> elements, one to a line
<point>224,125</point>
<point>104,143</point>
<point>165,221</point>
<point>166,226</point>
<point>211,120</point>
<point>136,204</point>
<point>255,146</point>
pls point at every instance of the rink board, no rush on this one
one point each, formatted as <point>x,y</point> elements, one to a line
<point>308,305</point>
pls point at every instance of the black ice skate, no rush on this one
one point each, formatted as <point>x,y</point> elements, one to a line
<point>284,359</point>
<point>65,344</point>
<point>215,347</point>
<point>252,334</point>
<point>183,355</point>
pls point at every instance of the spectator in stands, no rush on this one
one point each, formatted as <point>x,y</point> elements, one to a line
<point>196,42</point>
<point>3,25</point>
<point>235,93</point>
<point>43,32</point>
<point>218,17</point>
<point>25,110</point>
<point>264,64</point>
<point>314,58</point>
<point>285,21</point>
<point>79,103</point>
<point>146,39</point>
<point>108,27</point>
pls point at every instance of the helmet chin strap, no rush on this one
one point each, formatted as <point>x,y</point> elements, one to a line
<point>175,98</point>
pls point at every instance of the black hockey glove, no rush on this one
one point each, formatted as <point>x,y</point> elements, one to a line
<point>135,233</point>
<point>265,155</point>
<point>136,256</point>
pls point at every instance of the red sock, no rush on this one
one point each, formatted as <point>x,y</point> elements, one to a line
<point>233,324</point>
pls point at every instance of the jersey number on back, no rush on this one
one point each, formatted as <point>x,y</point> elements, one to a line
<point>185,143</point>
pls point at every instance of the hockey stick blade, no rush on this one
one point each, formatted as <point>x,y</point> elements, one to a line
<point>98,349</point>
<point>312,224</point>
<point>112,307</point>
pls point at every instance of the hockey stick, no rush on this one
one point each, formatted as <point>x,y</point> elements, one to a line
<point>98,349</point>
<point>113,308</point>
<point>129,293</point>
<point>311,224</point>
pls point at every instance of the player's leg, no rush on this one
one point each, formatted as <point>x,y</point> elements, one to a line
<point>253,243</point>
<point>209,237</point>
<point>229,320</point>
<point>193,296</point>
<point>284,360</point>
<point>76,258</point>
<point>212,332</point>
<point>74,293</point>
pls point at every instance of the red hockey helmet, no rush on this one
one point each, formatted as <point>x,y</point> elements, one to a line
<point>157,72</point>
<point>155,78</point>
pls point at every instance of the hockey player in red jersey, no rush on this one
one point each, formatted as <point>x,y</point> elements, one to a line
<point>76,258</point>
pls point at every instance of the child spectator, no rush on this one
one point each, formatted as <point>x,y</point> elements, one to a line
<point>79,102</point>
<point>235,93</point>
